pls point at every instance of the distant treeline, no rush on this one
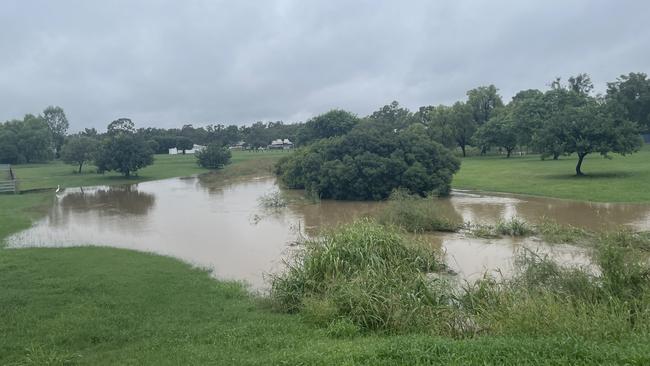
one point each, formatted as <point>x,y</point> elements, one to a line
<point>553,122</point>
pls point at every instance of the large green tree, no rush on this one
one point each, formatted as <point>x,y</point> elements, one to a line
<point>579,123</point>
<point>184,143</point>
<point>336,122</point>
<point>498,131</point>
<point>58,124</point>
<point>593,129</point>
<point>463,126</point>
<point>629,96</point>
<point>483,101</point>
<point>123,150</point>
<point>79,150</point>
<point>370,161</point>
<point>26,141</point>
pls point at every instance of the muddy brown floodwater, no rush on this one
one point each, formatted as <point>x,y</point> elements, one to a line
<point>221,226</point>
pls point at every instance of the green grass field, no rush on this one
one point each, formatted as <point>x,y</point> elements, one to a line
<point>621,179</point>
<point>101,306</point>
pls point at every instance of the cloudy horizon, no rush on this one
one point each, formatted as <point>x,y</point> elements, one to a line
<point>167,63</point>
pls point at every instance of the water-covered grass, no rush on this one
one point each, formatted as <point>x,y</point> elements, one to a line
<point>416,214</point>
<point>552,232</point>
<point>620,179</point>
<point>102,306</point>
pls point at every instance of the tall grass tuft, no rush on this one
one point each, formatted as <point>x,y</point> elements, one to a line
<point>416,214</point>
<point>545,299</point>
<point>510,227</point>
<point>553,232</point>
<point>272,200</point>
<point>363,274</point>
<point>513,227</point>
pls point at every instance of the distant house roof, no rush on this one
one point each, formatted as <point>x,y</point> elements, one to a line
<point>279,142</point>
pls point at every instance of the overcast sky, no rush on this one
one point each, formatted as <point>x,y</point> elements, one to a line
<point>167,63</point>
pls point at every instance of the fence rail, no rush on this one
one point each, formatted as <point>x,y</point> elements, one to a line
<point>8,182</point>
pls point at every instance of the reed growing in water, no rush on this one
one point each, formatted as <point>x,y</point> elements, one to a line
<point>416,214</point>
<point>367,277</point>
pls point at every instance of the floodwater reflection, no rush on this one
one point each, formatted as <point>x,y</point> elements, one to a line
<point>220,225</point>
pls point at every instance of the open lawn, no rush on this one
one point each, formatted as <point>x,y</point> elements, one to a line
<point>621,179</point>
<point>101,306</point>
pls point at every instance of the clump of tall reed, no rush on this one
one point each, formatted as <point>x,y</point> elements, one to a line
<point>553,232</point>
<point>509,227</point>
<point>416,214</point>
<point>548,230</point>
<point>513,227</point>
<point>272,200</point>
<point>628,239</point>
<point>546,299</point>
<point>363,275</point>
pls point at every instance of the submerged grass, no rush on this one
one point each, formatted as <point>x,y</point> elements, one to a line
<point>553,232</point>
<point>509,227</point>
<point>416,214</point>
<point>272,200</point>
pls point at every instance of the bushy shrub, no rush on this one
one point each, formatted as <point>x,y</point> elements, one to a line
<point>214,156</point>
<point>369,162</point>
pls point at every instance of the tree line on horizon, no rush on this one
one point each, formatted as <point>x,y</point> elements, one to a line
<point>565,119</point>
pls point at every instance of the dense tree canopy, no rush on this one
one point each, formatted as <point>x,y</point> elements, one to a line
<point>336,122</point>
<point>78,150</point>
<point>451,126</point>
<point>498,131</point>
<point>371,161</point>
<point>483,101</point>
<point>629,96</point>
<point>122,150</point>
<point>26,141</point>
<point>573,121</point>
<point>58,124</point>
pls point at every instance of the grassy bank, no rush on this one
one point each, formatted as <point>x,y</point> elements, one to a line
<point>621,179</point>
<point>18,211</point>
<point>132,308</point>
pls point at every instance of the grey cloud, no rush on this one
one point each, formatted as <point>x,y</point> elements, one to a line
<point>165,63</point>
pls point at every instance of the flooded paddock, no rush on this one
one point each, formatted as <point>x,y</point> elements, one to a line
<point>221,225</point>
